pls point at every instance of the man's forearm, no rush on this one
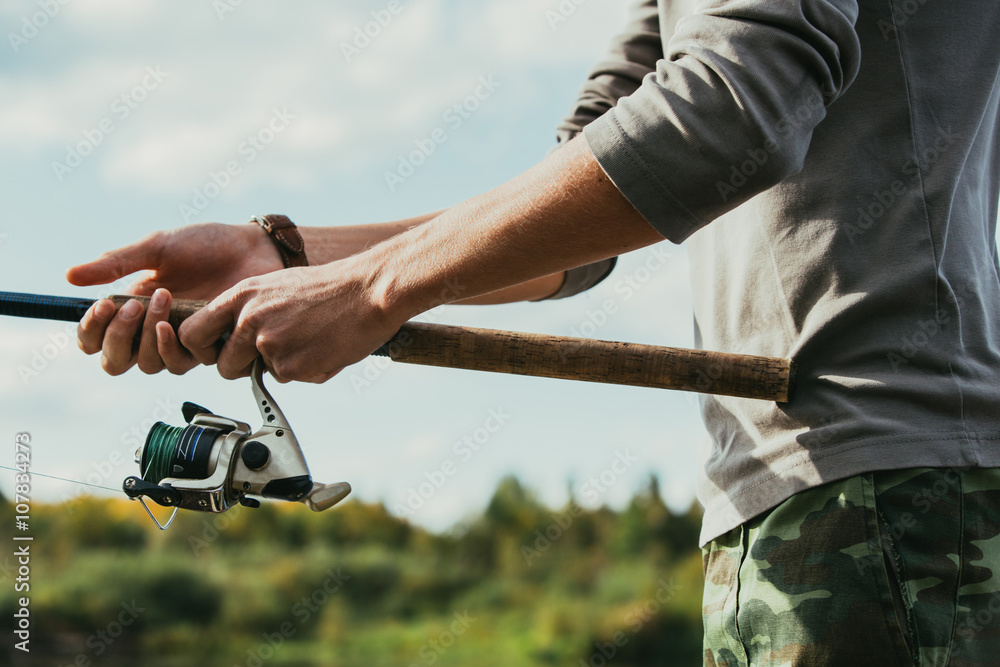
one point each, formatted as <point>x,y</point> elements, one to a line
<point>310,323</point>
<point>327,244</point>
<point>562,213</point>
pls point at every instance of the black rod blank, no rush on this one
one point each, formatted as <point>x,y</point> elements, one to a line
<point>42,307</point>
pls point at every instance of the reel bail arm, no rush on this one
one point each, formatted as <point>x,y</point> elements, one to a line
<point>216,462</point>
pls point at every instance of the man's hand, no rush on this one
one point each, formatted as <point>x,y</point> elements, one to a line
<point>194,262</point>
<point>307,323</point>
<point>311,322</point>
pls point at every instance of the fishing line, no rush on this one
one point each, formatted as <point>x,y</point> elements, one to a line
<point>166,447</point>
<point>63,479</point>
<point>215,463</point>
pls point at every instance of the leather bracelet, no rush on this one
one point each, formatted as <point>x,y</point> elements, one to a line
<point>286,238</point>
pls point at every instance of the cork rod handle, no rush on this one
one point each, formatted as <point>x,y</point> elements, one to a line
<point>542,355</point>
<point>180,309</point>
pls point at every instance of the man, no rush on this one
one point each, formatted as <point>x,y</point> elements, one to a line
<point>846,154</point>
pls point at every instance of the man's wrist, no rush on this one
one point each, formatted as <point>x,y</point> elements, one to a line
<point>259,244</point>
<point>400,284</point>
<point>283,232</point>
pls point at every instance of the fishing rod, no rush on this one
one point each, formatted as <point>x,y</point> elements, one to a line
<point>214,462</point>
<point>539,355</point>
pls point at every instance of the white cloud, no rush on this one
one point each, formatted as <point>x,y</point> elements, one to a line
<point>525,31</point>
<point>223,81</point>
<point>109,15</point>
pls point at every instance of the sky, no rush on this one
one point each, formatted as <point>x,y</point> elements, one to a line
<point>120,118</point>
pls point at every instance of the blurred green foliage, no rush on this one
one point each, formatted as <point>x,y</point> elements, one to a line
<point>523,584</point>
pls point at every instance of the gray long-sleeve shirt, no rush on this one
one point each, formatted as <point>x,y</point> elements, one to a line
<point>847,156</point>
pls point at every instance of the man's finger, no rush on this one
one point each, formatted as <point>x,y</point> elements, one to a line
<point>118,263</point>
<point>119,353</point>
<point>90,331</point>
<point>238,354</point>
<point>177,360</point>
<point>277,378</point>
<point>200,332</point>
<point>149,354</point>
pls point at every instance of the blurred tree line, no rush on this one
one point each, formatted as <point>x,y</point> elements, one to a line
<point>522,584</point>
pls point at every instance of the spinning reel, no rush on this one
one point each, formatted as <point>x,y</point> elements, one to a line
<point>215,462</point>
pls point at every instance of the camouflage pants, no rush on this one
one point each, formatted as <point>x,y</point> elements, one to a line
<point>885,568</point>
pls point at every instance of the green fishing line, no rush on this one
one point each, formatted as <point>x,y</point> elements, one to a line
<point>161,443</point>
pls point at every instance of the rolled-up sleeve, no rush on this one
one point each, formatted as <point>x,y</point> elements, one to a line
<point>633,55</point>
<point>704,131</point>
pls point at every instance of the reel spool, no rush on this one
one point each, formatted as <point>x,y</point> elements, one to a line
<point>214,462</point>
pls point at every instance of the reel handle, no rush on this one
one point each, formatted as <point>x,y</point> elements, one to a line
<point>542,355</point>
<point>325,496</point>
